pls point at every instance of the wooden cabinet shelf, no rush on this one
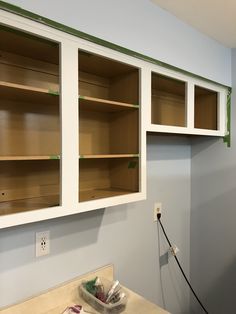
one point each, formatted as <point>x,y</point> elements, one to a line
<point>108,156</point>
<point>28,204</point>
<point>97,104</point>
<point>14,158</point>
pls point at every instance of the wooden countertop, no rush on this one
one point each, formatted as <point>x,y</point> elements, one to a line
<point>55,300</point>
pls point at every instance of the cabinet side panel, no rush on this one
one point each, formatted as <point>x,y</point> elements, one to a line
<point>125,132</point>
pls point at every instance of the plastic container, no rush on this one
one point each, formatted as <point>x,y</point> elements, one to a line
<point>111,308</point>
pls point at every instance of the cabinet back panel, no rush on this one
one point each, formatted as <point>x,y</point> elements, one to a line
<point>94,174</point>
<point>94,132</point>
<point>168,109</point>
<point>29,129</point>
<point>125,88</point>
<point>28,179</point>
<point>27,45</point>
<point>106,178</point>
<point>125,174</point>
<point>108,133</point>
<point>205,109</point>
<point>28,77</point>
<point>93,85</point>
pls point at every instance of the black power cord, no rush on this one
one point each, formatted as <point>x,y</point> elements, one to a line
<point>180,267</point>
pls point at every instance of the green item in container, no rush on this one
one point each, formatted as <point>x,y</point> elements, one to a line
<point>90,286</point>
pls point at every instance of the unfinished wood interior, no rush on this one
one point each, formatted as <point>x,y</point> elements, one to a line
<point>106,177</point>
<point>104,132</point>
<point>168,101</point>
<point>107,79</point>
<point>205,108</point>
<point>108,127</point>
<point>28,185</point>
<point>29,122</point>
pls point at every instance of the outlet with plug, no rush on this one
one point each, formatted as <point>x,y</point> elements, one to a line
<point>156,210</point>
<point>42,243</point>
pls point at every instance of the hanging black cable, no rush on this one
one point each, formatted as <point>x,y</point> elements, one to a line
<point>180,267</point>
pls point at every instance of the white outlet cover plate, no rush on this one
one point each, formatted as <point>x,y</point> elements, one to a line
<point>42,243</point>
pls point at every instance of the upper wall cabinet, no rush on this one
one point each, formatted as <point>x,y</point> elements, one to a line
<point>74,116</point>
<point>182,104</point>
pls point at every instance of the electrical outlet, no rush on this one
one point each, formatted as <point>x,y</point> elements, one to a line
<point>42,243</point>
<point>156,210</point>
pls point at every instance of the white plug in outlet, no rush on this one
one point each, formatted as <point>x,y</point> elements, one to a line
<point>42,243</point>
<point>156,210</point>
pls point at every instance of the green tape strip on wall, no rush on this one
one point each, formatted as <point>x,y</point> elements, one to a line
<point>227,138</point>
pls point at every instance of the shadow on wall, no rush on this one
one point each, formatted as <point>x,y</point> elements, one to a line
<point>67,233</point>
<point>213,253</point>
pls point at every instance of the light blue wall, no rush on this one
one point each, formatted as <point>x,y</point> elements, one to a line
<point>213,216</point>
<point>142,26</point>
<point>124,235</point>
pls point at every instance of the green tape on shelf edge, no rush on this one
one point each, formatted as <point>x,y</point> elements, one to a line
<point>55,157</point>
<point>227,138</point>
<point>81,156</point>
<point>81,97</point>
<point>132,164</point>
<point>53,92</point>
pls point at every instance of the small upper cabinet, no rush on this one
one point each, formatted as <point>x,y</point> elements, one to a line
<point>168,105</point>
<point>182,104</point>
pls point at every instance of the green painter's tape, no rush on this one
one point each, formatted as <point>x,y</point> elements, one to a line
<point>66,29</point>
<point>55,157</point>
<point>136,106</point>
<point>132,164</point>
<point>81,156</point>
<point>227,138</point>
<point>53,92</point>
<point>135,155</point>
<point>81,97</point>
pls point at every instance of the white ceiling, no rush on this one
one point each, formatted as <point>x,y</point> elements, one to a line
<point>215,18</point>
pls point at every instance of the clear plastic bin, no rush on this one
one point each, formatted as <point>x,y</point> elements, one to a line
<point>98,305</point>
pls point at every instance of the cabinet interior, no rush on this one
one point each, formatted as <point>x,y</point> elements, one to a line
<point>205,110</point>
<point>108,127</point>
<point>106,177</point>
<point>168,105</point>
<point>29,122</point>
